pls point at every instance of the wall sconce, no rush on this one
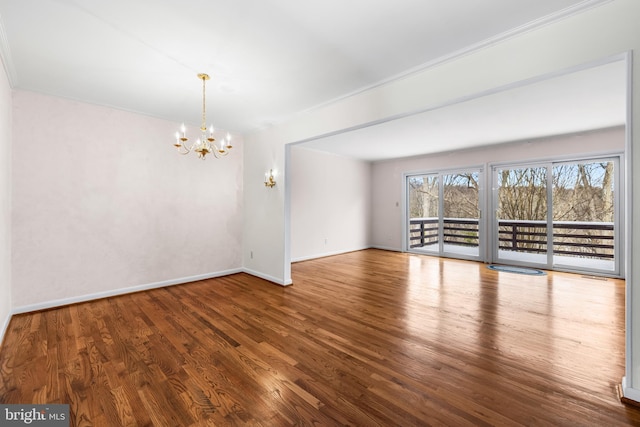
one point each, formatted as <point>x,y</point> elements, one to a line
<point>269,180</point>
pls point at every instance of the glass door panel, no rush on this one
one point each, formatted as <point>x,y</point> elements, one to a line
<point>443,214</point>
<point>521,215</point>
<point>461,214</point>
<point>423,202</point>
<point>584,215</point>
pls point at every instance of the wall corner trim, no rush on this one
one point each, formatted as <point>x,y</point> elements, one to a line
<point>267,277</point>
<point>6,58</point>
<point>5,326</point>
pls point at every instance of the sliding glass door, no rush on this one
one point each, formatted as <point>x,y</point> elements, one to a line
<point>558,215</point>
<point>423,200</point>
<point>521,215</point>
<point>461,214</point>
<point>584,215</point>
<point>443,214</point>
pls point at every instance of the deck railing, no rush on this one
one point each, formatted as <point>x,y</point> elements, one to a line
<point>573,238</point>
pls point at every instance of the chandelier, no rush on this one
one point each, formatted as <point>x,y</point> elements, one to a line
<point>206,143</point>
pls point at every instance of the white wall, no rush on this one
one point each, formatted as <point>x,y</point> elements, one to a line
<point>330,203</point>
<point>103,204</point>
<point>5,202</point>
<point>387,175</point>
<point>264,214</point>
<point>604,31</point>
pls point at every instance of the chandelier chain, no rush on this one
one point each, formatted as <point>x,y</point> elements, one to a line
<point>204,105</point>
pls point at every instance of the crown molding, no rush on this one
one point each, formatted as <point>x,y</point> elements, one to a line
<point>514,32</point>
<point>552,18</point>
<point>5,57</point>
<point>509,34</point>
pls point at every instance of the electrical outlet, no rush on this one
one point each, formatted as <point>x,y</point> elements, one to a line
<point>251,254</point>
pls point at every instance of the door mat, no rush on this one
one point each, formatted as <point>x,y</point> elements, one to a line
<point>517,270</point>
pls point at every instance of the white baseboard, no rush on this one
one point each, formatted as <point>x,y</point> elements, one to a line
<point>121,291</point>
<point>326,254</point>
<point>628,392</point>
<point>386,248</point>
<point>268,277</point>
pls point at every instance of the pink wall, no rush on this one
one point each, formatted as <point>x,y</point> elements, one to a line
<point>5,202</point>
<point>102,204</point>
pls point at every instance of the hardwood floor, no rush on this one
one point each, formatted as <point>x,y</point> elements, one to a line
<point>366,338</point>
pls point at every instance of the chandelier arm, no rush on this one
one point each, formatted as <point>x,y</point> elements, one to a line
<point>217,154</point>
<point>186,148</point>
<point>205,145</point>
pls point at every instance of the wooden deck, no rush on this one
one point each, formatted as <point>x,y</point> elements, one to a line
<point>366,338</point>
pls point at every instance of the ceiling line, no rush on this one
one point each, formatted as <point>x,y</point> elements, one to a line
<point>134,37</point>
<point>6,58</point>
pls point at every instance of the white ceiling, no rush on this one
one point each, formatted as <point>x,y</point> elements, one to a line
<point>268,59</point>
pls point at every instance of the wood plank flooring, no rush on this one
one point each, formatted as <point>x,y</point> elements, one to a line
<point>366,338</point>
